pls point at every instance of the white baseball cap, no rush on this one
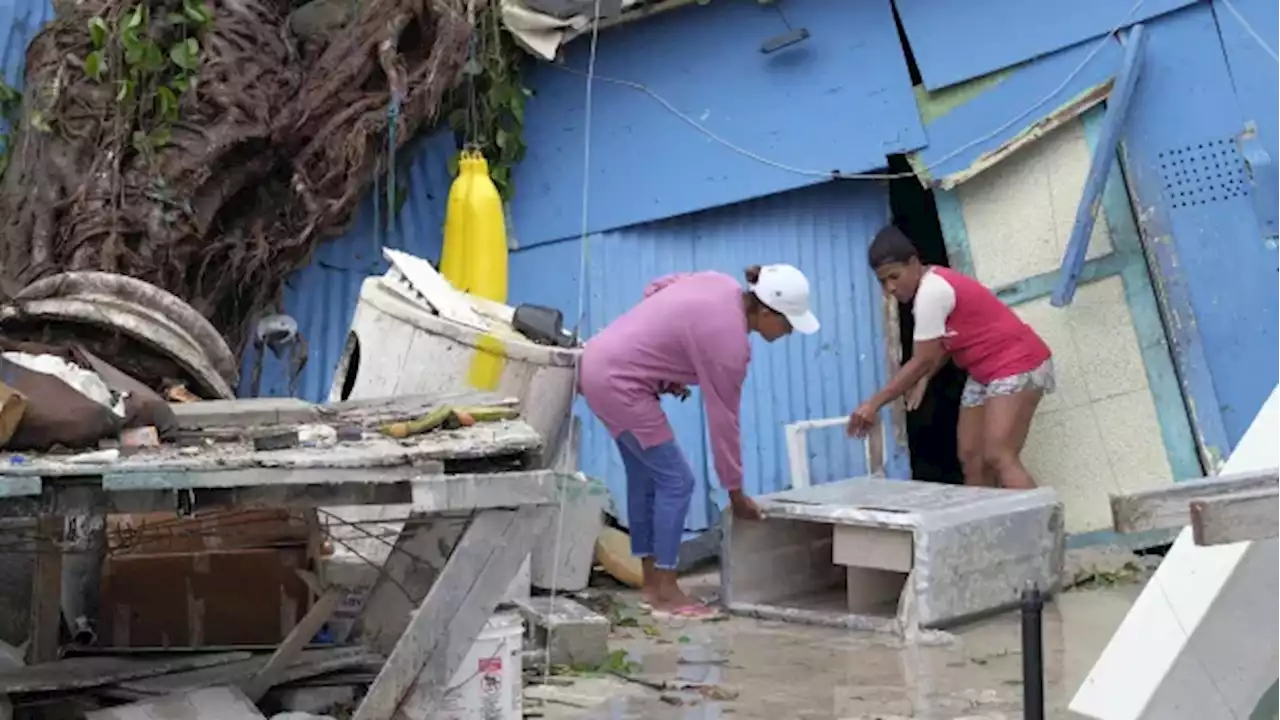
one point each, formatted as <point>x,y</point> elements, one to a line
<point>784,289</point>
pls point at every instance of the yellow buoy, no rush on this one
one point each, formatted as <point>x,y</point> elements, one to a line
<point>486,253</point>
<point>474,258</point>
<point>455,218</point>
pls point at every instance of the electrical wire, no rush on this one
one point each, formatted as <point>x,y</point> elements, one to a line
<point>836,174</point>
<point>583,263</point>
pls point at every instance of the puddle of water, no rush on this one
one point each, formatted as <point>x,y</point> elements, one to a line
<point>758,670</point>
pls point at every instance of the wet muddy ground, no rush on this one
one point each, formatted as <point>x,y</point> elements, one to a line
<point>761,670</point>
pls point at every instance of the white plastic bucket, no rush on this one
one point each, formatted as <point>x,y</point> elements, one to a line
<point>489,684</point>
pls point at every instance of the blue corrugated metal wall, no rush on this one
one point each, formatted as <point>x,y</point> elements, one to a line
<point>824,230</point>
<point>322,296</point>
<point>840,100</point>
<point>20,20</point>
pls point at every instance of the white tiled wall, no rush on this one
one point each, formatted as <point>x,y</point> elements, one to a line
<point>1098,434</point>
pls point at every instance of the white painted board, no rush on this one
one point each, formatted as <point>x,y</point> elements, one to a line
<point>1201,641</point>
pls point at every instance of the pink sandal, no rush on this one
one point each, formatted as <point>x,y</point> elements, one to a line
<point>695,611</point>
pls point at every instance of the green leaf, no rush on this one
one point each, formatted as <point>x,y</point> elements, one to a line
<point>98,32</point>
<point>93,65</point>
<point>125,92</point>
<point>181,84</point>
<point>501,139</point>
<point>197,12</point>
<point>160,137</point>
<point>39,122</point>
<point>458,118</point>
<point>136,17</point>
<point>453,166</point>
<point>142,142</point>
<point>166,103</point>
<point>185,54</point>
<point>153,57</point>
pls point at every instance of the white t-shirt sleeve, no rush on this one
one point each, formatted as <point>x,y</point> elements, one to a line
<point>935,299</point>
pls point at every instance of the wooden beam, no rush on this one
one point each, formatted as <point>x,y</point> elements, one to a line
<point>46,592</point>
<point>423,487</point>
<point>298,638</point>
<point>1240,517</point>
<point>1168,507</point>
<point>460,602</point>
<point>1104,159</point>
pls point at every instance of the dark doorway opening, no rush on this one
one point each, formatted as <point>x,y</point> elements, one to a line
<point>931,428</point>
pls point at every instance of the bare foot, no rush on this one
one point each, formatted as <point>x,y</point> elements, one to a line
<point>672,599</point>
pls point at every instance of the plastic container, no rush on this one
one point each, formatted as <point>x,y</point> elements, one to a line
<point>488,685</point>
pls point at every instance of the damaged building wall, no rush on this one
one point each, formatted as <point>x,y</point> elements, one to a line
<point>1116,422</point>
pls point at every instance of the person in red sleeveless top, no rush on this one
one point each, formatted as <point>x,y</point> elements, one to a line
<point>1010,368</point>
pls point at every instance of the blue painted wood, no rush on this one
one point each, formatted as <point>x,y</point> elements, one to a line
<point>1153,338</point>
<point>20,20</point>
<point>1262,173</point>
<point>824,230</point>
<point>1215,270</point>
<point>954,234</point>
<point>953,41</point>
<point>1125,541</point>
<point>840,100</point>
<point>1015,101</point>
<point>1104,158</point>
<point>1256,79</point>
<point>1042,285</point>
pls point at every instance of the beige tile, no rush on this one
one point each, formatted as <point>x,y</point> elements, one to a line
<point>1134,446</point>
<point>1018,214</point>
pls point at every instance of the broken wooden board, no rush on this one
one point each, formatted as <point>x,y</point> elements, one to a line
<point>1238,517</point>
<point>309,663</point>
<point>86,672</point>
<point>1169,507</point>
<point>1200,640</point>
<point>463,597</point>
<point>217,703</point>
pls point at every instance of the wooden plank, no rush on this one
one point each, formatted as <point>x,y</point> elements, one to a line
<point>248,412</point>
<point>308,664</point>
<point>217,703</point>
<point>46,592</point>
<point>503,438</point>
<point>302,633</point>
<point>419,557</point>
<point>1168,507</point>
<point>460,602</point>
<point>87,672</point>
<point>1240,517</point>
<point>463,492</point>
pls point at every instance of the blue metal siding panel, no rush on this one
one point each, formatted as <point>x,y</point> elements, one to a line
<point>1215,269</point>
<point>1255,77</point>
<point>824,230</point>
<point>954,42</point>
<point>20,20</point>
<point>840,100</point>
<point>1012,100</point>
<point>322,296</point>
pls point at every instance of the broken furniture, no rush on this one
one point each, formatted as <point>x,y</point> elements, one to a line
<point>478,473</point>
<point>1220,510</point>
<point>896,555</point>
<point>413,332</point>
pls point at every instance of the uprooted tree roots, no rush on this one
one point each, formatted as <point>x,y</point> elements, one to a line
<point>196,147</point>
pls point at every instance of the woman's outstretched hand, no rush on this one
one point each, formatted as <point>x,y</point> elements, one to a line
<point>744,508</point>
<point>862,420</point>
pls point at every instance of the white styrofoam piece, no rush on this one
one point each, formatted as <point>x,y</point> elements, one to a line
<point>417,280</point>
<point>1201,640</point>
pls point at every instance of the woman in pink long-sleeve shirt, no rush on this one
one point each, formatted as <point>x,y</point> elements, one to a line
<point>690,329</point>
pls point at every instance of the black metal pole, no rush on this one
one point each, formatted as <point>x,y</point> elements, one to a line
<point>1032,654</point>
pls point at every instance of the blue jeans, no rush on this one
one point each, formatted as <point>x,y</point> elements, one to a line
<point>659,490</point>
